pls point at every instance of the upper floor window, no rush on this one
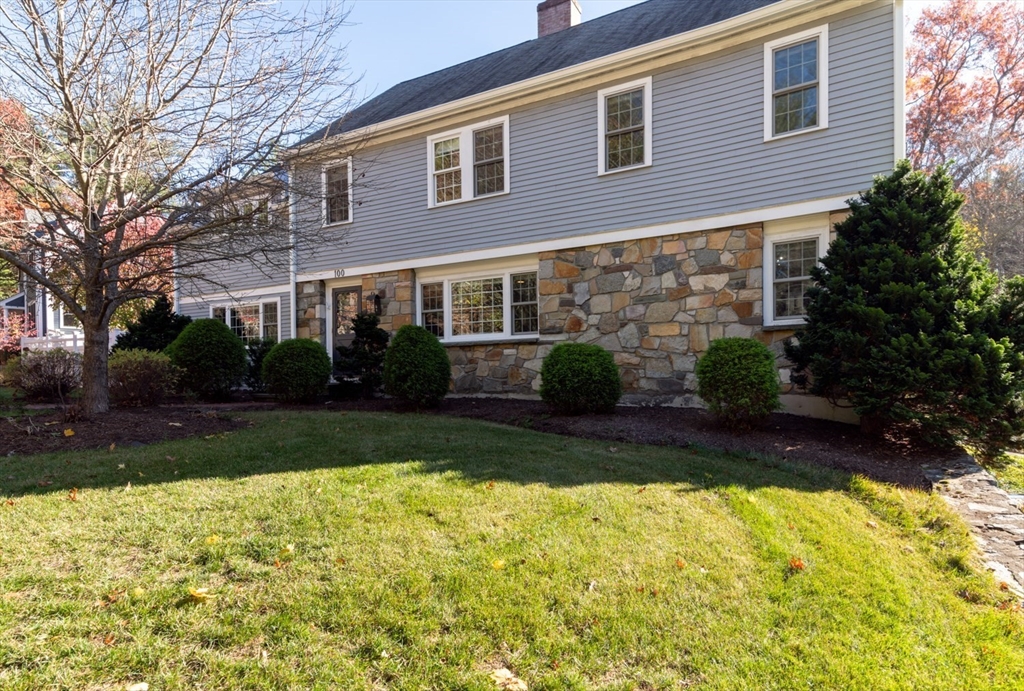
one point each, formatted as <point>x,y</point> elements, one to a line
<point>337,183</point>
<point>469,163</point>
<point>624,126</point>
<point>796,83</point>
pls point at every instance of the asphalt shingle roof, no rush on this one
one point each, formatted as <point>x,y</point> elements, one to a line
<point>634,26</point>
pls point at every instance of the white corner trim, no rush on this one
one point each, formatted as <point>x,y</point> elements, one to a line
<point>467,160</point>
<point>238,296</point>
<point>337,163</point>
<point>622,235</point>
<point>819,32</point>
<point>809,227</point>
<point>602,122</point>
<point>899,76</point>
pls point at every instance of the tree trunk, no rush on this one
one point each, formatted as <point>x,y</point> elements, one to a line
<point>95,389</point>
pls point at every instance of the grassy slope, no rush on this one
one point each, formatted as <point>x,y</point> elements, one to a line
<point>1009,470</point>
<point>589,592</point>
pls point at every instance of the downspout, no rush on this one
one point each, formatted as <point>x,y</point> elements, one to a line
<point>293,258</point>
<point>176,294</point>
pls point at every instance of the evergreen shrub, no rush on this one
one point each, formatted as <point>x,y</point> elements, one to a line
<point>140,377</point>
<point>364,359</point>
<point>579,378</point>
<point>904,320</point>
<point>416,367</point>
<point>156,328</point>
<point>738,381</point>
<point>297,370</point>
<point>211,358</point>
<point>256,350</point>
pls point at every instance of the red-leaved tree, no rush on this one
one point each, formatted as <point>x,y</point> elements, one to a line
<point>965,86</point>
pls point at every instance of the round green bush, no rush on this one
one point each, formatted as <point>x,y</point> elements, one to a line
<point>211,358</point>
<point>738,381</point>
<point>140,377</point>
<point>297,370</point>
<point>580,378</point>
<point>416,367</point>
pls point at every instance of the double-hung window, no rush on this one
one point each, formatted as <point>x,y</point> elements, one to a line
<point>337,192</point>
<point>624,126</point>
<point>480,307</point>
<point>469,163</point>
<point>796,83</point>
<point>791,249</point>
<point>250,322</point>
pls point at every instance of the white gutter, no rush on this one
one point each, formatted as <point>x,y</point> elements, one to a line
<point>293,257</point>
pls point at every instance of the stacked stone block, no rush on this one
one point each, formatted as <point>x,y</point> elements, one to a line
<point>311,302</point>
<point>395,290</point>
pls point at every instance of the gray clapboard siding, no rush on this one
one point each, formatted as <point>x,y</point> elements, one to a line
<point>709,158</point>
<point>241,274</point>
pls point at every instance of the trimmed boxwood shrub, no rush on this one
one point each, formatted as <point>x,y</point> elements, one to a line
<point>580,378</point>
<point>738,382</point>
<point>416,367</point>
<point>140,377</point>
<point>297,370</point>
<point>211,357</point>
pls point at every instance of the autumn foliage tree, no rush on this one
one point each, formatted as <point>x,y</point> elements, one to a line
<point>965,86</point>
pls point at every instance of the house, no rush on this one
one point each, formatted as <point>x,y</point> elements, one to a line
<point>649,181</point>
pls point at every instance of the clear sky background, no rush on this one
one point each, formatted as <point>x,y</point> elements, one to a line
<point>390,41</point>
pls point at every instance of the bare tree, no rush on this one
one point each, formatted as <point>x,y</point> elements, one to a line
<point>152,122</point>
<point>995,204</point>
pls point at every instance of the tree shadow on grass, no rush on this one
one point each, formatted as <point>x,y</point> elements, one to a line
<point>295,441</point>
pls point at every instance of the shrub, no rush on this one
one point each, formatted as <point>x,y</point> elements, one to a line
<point>900,320</point>
<point>140,377</point>
<point>416,367</point>
<point>256,351</point>
<point>211,358</point>
<point>738,381</point>
<point>47,375</point>
<point>580,378</point>
<point>297,370</point>
<point>156,328</point>
<point>364,359</point>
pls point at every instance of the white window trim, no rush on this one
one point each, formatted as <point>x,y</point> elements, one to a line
<point>347,162</point>
<point>466,158</point>
<point>602,123</point>
<point>791,230</point>
<point>819,32</point>
<point>505,273</point>
<point>258,303</point>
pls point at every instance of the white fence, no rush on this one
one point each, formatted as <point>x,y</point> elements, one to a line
<point>73,342</point>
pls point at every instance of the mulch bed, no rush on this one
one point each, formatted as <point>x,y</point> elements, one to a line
<point>790,437</point>
<point>47,432</point>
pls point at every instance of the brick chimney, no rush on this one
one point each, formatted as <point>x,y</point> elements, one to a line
<point>555,15</point>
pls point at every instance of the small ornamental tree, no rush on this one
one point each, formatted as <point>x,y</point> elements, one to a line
<point>899,322</point>
<point>365,357</point>
<point>156,328</point>
<point>12,330</point>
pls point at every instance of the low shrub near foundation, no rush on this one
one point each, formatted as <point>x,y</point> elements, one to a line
<point>579,378</point>
<point>738,382</point>
<point>416,367</point>
<point>48,375</point>
<point>297,370</point>
<point>140,377</point>
<point>211,357</point>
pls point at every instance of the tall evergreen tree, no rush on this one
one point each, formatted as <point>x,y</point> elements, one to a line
<point>156,328</point>
<point>900,319</point>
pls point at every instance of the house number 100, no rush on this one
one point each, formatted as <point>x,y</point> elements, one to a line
<point>339,273</point>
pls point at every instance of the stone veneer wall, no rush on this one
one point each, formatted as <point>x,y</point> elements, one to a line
<point>396,297</point>
<point>311,304</point>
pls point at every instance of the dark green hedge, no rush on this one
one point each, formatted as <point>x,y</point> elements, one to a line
<point>297,370</point>
<point>212,359</point>
<point>416,367</point>
<point>580,378</point>
<point>738,381</point>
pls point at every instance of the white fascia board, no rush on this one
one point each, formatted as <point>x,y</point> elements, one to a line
<point>236,296</point>
<point>741,218</point>
<point>715,37</point>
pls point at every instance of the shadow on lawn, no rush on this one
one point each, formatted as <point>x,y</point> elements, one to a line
<point>293,441</point>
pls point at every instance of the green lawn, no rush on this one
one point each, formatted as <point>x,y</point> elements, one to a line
<point>427,552</point>
<point>1009,470</point>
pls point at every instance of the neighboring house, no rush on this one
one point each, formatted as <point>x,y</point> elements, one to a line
<point>649,181</point>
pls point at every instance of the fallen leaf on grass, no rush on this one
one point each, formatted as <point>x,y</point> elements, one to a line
<point>508,681</point>
<point>9,502</point>
<point>141,686</point>
<point>138,592</point>
<point>498,564</point>
<point>213,539</point>
<point>792,527</point>
<point>680,564</point>
<point>641,490</point>
<point>340,561</point>
<point>69,432</point>
<point>120,466</point>
<point>287,552</point>
<point>200,594</point>
<point>112,447</point>
<point>73,494</point>
<point>44,483</point>
<point>172,459</point>
<point>109,639</point>
<point>490,485</point>
<point>796,564</point>
<point>872,525</point>
<point>174,424</point>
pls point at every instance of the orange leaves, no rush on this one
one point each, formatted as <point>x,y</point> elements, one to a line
<point>69,432</point>
<point>796,564</point>
<point>73,494</point>
<point>680,564</point>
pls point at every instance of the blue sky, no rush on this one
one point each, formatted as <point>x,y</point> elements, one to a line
<point>394,40</point>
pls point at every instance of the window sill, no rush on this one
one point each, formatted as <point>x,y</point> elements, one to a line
<point>339,223</point>
<point>455,202</point>
<point>531,338</point>
<point>601,173</point>
<point>797,133</point>
<point>792,326</point>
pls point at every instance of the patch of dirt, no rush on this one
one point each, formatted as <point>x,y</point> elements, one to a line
<point>47,432</point>
<point>790,437</point>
